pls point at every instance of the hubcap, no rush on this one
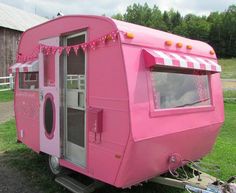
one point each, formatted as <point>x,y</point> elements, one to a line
<point>54,165</point>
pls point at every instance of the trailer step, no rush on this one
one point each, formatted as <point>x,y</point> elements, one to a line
<point>75,186</point>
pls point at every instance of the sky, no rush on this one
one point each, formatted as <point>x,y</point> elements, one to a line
<point>50,8</point>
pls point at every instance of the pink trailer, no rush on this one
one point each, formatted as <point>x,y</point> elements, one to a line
<point>113,100</point>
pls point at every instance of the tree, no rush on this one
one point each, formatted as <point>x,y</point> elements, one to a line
<point>229,26</point>
<point>216,34</point>
<point>218,29</point>
<point>118,16</point>
<point>157,19</point>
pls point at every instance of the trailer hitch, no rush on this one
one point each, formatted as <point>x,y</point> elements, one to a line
<point>200,183</point>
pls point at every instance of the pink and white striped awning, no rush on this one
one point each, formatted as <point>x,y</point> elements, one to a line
<point>32,66</point>
<point>179,60</point>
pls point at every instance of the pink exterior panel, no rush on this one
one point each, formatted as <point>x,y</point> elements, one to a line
<point>189,132</point>
<point>26,106</point>
<point>149,158</point>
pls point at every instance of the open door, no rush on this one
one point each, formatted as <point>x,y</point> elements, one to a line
<point>49,100</point>
<point>75,101</point>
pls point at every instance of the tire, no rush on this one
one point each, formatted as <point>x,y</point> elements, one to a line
<point>54,166</point>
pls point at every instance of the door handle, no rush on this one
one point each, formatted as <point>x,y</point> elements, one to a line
<point>78,99</point>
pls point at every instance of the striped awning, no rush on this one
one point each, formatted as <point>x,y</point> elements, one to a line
<point>32,66</point>
<point>179,60</point>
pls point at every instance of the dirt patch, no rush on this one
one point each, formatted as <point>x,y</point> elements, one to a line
<point>6,111</point>
<point>229,84</point>
<point>13,181</point>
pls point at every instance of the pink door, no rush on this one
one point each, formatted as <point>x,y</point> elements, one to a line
<point>49,100</point>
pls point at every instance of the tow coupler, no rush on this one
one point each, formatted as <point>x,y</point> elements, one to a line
<point>199,182</point>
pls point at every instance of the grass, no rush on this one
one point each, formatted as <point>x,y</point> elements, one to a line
<point>224,153</point>
<point>6,96</point>
<point>230,94</point>
<point>228,68</point>
<point>34,166</point>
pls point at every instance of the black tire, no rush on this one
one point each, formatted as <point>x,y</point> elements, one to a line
<point>54,166</point>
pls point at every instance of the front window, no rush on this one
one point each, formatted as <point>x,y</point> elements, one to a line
<point>179,88</point>
<point>28,80</point>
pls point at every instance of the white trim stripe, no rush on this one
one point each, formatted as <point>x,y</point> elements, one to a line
<point>22,67</point>
<point>184,61</point>
<point>167,60</point>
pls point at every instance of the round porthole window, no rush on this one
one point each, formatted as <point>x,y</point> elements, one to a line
<point>49,116</point>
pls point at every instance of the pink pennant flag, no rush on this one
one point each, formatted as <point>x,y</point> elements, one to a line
<point>54,50</point>
<point>84,46</point>
<point>68,48</point>
<point>92,45</point>
<point>103,39</point>
<point>113,36</point>
<point>75,48</point>
<point>60,50</point>
<point>48,50</point>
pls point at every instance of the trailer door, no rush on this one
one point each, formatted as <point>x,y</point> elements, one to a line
<point>49,100</point>
<point>75,101</point>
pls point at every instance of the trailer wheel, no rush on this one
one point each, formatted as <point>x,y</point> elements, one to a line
<point>54,166</point>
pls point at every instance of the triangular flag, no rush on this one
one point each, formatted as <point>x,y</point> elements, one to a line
<point>84,46</point>
<point>48,50</point>
<point>54,50</point>
<point>92,45</point>
<point>68,48</point>
<point>76,48</point>
<point>60,50</point>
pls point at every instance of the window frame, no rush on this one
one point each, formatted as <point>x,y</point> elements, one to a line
<point>27,89</point>
<point>37,75</point>
<point>154,112</point>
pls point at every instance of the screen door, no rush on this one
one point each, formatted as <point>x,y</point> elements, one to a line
<point>75,104</point>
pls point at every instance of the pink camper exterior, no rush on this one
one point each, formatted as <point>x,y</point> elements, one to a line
<point>113,100</point>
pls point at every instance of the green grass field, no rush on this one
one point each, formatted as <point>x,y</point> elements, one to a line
<point>228,68</point>
<point>6,96</point>
<point>35,166</point>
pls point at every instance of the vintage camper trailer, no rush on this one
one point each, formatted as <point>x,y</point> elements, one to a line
<point>115,101</point>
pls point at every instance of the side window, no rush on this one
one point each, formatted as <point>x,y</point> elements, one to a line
<point>179,89</point>
<point>49,70</point>
<point>28,80</point>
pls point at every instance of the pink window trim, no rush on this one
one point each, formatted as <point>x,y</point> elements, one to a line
<point>173,111</point>
<point>50,96</point>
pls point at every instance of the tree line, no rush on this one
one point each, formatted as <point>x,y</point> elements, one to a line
<point>218,29</point>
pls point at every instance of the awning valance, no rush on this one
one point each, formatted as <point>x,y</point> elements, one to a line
<point>32,66</point>
<point>164,58</point>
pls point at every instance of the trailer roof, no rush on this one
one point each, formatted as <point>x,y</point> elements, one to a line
<point>16,19</point>
<point>152,38</point>
<point>142,36</point>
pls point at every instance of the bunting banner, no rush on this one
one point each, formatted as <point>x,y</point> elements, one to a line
<point>52,50</point>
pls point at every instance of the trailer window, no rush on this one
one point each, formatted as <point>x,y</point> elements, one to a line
<point>28,80</point>
<point>178,89</point>
<point>49,70</point>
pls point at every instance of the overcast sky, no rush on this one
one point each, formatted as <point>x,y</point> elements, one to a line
<point>49,8</point>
